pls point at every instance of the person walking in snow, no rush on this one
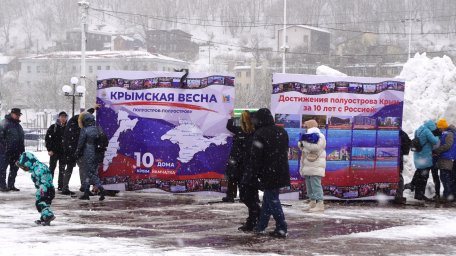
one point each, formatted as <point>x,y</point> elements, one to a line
<point>86,150</point>
<point>248,187</point>
<point>45,191</point>
<point>423,159</point>
<point>313,164</point>
<point>11,147</point>
<point>235,164</point>
<point>54,145</point>
<point>269,162</point>
<point>446,154</point>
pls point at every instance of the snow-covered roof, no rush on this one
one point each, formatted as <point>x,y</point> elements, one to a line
<point>102,55</point>
<point>5,60</point>
<point>308,27</point>
<point>126,38</point>
<point>93,31</point>
<point>241,67</point>
<point>244,67</point>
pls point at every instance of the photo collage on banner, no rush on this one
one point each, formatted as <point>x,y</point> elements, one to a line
<point>165,132</point>
<point>360,117</point>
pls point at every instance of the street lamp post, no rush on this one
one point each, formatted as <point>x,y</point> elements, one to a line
<point>74,91</point>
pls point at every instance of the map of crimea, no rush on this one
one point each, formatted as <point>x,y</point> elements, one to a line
<point>186,135</point>
<point>191,140</point>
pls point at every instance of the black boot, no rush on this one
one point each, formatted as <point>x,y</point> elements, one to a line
<point>86,195</point>
<point>102,193</point>
<point>247,227</point>
<point>67,192</point>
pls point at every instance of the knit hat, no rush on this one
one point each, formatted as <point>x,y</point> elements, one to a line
<point>63,113</point>
<point>442,124</point>
<point>310,124</point>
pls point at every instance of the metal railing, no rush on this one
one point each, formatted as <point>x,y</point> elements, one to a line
<point>34,139</point>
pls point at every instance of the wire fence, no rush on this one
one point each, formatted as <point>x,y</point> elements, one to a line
<point>34,139</point>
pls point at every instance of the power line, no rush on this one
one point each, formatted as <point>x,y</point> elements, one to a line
<point>250,49</point>
<point>253,25</point>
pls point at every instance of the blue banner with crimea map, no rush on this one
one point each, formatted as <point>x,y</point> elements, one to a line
<point>165,131</point>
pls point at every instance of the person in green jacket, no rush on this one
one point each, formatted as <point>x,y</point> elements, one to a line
<point>45,191</point>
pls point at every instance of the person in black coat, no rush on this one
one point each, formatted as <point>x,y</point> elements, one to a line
<point>235,164</point>
<point>86,149</point>
<point>70,143</point>
<point>269,162</point>
<point>54,146</point>
<point>406,143</point>
<point>11,147</point>
<point>248,183</point>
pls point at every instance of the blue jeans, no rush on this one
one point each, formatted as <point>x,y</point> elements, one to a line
<point>448,179</point>
<point>314,188</point>
<point>271,206</point>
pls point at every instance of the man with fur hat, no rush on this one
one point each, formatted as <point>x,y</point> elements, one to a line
<point>54,146</point>
<point>11,147</point>
<point>446,154</point>
<point>45,191</point>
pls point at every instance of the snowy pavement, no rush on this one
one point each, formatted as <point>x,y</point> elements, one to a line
<point>166,224</point>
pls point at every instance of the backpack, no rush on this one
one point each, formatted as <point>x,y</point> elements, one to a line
<point>416,144</point>
<point>102,142</point>
<point>406,143</point>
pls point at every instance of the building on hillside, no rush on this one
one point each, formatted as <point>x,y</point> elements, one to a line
<point>305,39</point>
<point>175,43</point>
<point>7,63</point>
<point>96,41</point>
<point>126,43</point>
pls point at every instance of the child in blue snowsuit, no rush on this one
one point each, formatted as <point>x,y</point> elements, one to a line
<point>42,178</point>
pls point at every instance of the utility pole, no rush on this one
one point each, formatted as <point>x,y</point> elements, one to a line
<point>410,20</point>
<point>284,34</point>
<point>84,6</point>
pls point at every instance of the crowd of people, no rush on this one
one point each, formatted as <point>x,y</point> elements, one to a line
<point>434,151</point>
<point>69,143</point>
<point>258,161</point>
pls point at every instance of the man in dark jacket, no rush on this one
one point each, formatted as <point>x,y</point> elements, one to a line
<point>269,160</point>
<point>54,145</point>
<point>70,143</point>
<point>11,147</point>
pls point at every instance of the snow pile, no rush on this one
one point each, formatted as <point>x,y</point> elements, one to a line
<point>327,71</point>
<point>430,87</point>
<point>430,93</point>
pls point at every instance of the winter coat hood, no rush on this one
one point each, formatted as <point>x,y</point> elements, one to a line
<point>28,160</point>
<point>430,125</point>
<point>262,118</point>
<point>86,119</point>
<point>423,159</point>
